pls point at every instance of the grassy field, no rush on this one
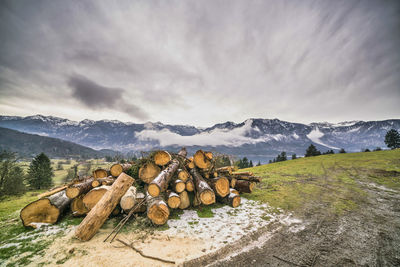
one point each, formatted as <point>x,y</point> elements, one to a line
<point>300,185</point>
<point>334,180</point>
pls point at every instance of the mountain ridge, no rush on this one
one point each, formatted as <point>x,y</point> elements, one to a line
<point>263,137</point>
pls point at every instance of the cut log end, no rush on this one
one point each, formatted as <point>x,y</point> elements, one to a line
<point>202,160</point>
<point>148,172</point>
<point>41,211</point>
<point>94,196</point>
<point>222,187</point>
<point>174,201</point>
<point>185,201</point>
<point>207,197</point>
<point>72,192</point>
<point>180,186</point>
<point>154,190</point>
<point>189,186</point>
<point>158,213</point>
<point>77,207</point>
<point>183,175</point>
<point>162,158</point>
<point>100,173</point>
<point>116,169</point>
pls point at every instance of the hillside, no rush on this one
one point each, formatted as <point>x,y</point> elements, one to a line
<point>347,209</point>
<point>258,139</point>
<point>28,145</point>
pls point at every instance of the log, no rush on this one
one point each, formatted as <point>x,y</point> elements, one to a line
<point>243,173</point>
<point>203,190</point>
<point>189,185</point>
<point>52,192</point>
<point>255,179</point>
<point>157,210</point>
<point>185,201</point>
<point>128,200</point>
<point>100,212</point>
<point>162,157</point>
<point>202,159</point>
<point>100,173</point>
<point>148,172</point>
<point>178,186</point>
<point>190,163</point>
<point>139,197</point>
<point>117,168</point>
<point>225,170</point>
<point>233,190</point>
<point>160,183</point>
<point>233,182</point>
<point>78,189</point>
<point>174,201</point>
<point>183,175</point>
<point>103,181</point>
<point>220,186</point>
<point>45,210</point>
<point>77,207</point>
<point>244,186</point>
<point>232,200</point>
<point>94,196</point>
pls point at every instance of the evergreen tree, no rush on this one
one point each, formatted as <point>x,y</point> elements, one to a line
<point>367,150</point>
<point>14,182</point>
<point>392,139</point>
<point>251,164</point>
<point>294,156</point>
<point>259,163</point>
<point>342,150</point>
<point>270,161</point>
<point>378,149</point>
<point>40,172</point>
<point>312,151</point>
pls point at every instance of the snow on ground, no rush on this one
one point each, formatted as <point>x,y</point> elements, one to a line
<point>315,136</point>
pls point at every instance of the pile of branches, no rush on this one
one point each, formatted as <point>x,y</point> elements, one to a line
<point>152,185</point>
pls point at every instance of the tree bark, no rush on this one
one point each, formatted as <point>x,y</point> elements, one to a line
<point>52,192</point>
<point>162,157</point>
<point>157,210</point>
<point>227,170</point>
<point>244,186</point>
<point>220,186</point>
<point>45,210</point>
<point>100,212</point>
<point>78,189</point>
<point>160,183</point>
<point>100,173</point>
<point>77,207</point>
<point>174,200</point>
<point>148,172</point>
<point>139,197</point>
<point>117,168</point>
<point>203,190</point>
<point>128,200</point>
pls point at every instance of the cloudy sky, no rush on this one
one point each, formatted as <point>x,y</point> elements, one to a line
<point>201,62</point>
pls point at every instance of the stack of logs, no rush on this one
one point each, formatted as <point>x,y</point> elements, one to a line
<point>164,181</point>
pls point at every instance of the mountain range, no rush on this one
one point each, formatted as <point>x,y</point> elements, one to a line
<point>256,138</point>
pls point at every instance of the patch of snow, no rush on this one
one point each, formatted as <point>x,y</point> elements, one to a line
<point>315,136</point>
<point>9,245</point>
<point>354,130</point>
<point>295,136</point>
<point>226,226</point>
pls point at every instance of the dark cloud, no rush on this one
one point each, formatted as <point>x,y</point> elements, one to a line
<point>97,96</point>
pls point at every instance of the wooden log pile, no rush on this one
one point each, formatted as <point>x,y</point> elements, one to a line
<point>162,182</point>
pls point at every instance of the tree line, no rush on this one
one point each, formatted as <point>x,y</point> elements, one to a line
<point>13,179</point>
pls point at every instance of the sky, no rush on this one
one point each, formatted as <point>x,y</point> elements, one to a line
<point>201,62</point>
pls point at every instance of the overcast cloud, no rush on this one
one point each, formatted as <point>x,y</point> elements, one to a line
<point>201,62</point>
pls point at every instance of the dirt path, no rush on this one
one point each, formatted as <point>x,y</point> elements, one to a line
<point>366,236</point>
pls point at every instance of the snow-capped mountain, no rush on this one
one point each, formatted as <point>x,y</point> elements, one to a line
<point>257,137</point>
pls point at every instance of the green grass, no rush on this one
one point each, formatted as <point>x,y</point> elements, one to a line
<point>206,211</point>
<point>333,180</point>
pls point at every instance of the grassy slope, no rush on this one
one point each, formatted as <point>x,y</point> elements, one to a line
<point>295,185</point>
<point>333,180</point>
